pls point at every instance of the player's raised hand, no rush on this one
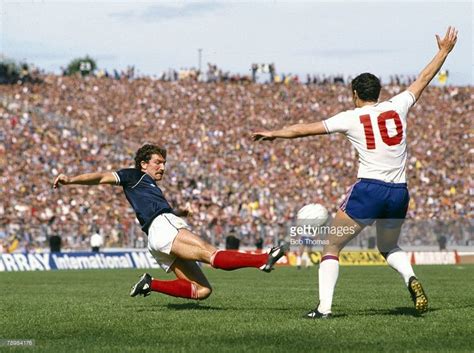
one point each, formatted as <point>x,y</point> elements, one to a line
<point>447,43</point>
<point>262,136</point>
<point>61,179</point>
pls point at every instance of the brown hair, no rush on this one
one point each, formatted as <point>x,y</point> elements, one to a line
<point>145,152</point>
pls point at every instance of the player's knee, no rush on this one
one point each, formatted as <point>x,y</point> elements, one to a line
<point>204,292</point>
<point>387,250</point>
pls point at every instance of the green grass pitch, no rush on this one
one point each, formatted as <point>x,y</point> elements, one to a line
<point>249,311</point>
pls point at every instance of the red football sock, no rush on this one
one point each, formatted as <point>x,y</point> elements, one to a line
<point>177,288</point>
<point>232,260</point>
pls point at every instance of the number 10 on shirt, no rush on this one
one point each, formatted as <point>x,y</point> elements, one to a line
<point>382,124</point>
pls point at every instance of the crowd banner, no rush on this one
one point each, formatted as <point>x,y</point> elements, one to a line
<point>76,261</point>
<point>434,257</point>
<point>372,257</point>
<point>345,258</point>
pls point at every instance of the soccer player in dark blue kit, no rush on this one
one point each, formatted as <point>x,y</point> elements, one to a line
<point>172,244</point>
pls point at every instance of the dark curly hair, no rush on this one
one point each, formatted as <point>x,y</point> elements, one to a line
<point>145,152</point>
<point>367,87</point>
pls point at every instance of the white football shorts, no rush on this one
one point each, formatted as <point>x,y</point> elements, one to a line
<point>161,234</point>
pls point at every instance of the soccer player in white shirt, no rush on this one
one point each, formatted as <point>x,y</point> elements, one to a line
<point>378,133</point>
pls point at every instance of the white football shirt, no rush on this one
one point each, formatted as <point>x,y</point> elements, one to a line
<point>378,133</point>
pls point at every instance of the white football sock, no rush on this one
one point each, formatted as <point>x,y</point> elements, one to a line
<point>399,261</point>
<point>328,273</point>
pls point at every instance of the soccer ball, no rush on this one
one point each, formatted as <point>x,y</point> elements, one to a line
<point>314,213</point>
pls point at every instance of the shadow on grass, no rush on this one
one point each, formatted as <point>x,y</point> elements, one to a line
<point>333,317</point>
<point>146,307</point>
<point>177,307</point>
<point>338,316</point>
<point>192,306</point>
<point>399,311</point>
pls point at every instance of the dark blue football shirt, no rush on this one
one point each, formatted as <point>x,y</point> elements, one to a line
<point>144,195</point>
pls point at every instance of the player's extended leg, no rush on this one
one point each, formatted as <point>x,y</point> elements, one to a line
<point>387,243</point>
<point>346,229</point>
<point>190,283</point>
<point>189,246</point>
<point>176,248</point>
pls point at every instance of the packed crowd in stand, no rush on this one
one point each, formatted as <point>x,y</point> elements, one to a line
<point>230,184</point>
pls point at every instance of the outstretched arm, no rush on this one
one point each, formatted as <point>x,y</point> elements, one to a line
<point>291,132</point>
<point>85,179</point>
<point>445,46</point>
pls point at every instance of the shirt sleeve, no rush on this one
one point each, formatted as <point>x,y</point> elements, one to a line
<point>127,177</point>
<point>337,123</point>
<point>403,101</point>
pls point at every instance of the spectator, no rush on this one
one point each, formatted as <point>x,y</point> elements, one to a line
<point>216,170</point>
<point>96,241</point>
<point>55,243</point>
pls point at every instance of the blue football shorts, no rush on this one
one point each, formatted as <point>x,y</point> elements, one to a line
<point>370,200</point>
